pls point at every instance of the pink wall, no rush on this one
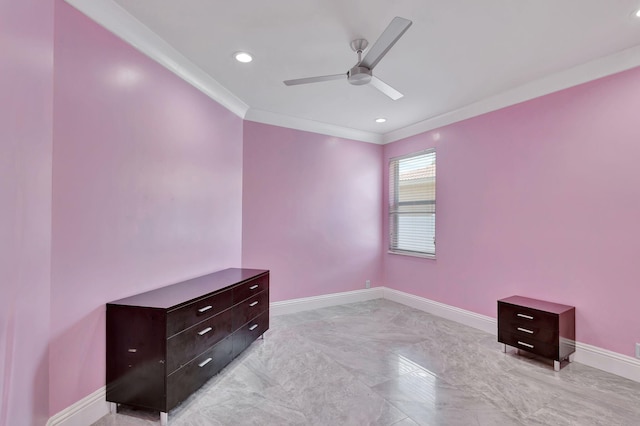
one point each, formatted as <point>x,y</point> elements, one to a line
<point>26,90</point>
<point>539,199</point>
<point>311,210</point>
<point>147,182</point>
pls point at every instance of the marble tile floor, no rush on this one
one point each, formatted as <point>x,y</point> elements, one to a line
<point>383,363</point>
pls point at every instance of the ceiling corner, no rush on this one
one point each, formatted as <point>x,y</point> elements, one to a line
<point>281,120</point>
<point>114,18</point>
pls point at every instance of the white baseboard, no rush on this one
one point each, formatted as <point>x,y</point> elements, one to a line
<point>84,412</point>
<point>91,408</point>
<point>308,303</point>
<point>611,362</point>
<point>602,359</point>
<point>480,322</point>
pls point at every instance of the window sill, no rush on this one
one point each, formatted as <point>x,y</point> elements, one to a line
<point>421,255</point>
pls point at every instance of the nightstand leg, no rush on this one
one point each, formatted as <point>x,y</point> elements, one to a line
<point>556,365</point>
<point>261,336</point>
<point>571,357</point>
<point>504,348</point>
<point>164,419</point>
<point>113,408</point>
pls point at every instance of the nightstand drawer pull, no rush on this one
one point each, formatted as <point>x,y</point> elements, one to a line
<point>525,344</point>
<point>205,362</point>
<point>205,309</point>
<point>253,327</point>
<point>254,303</point>
<point>133,350</point>
<point>205,331</point>
<point>525,330</point>
<point>253,287</point>
<point>529,317</point>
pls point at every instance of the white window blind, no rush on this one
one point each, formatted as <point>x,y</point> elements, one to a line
<point>412,204</point>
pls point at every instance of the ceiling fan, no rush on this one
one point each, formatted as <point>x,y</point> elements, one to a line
<point>361,73</point>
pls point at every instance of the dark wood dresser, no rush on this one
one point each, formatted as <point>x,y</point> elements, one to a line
<point>543,328</point>
<point>164,344</point>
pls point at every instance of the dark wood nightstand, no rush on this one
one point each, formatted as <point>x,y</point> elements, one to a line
<point>542,328</point>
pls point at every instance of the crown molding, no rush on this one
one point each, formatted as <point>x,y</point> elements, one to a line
<point>602,67</point>
<point>282,120</point>
<point>114,18</point>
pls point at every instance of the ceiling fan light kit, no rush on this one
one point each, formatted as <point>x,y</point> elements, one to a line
<point>362,72</point>
<point>359,75</point>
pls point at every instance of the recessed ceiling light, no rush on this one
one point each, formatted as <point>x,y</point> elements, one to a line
<point>380,120</point>
<point>638,13</point>
<point>243,57</point>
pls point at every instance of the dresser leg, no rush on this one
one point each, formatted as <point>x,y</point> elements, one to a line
<point>556,365</point>
<point>261,336</point>
<point>571,357</point>
<point>504,348</point>
<point>113,408</point>
<point>164,419</point>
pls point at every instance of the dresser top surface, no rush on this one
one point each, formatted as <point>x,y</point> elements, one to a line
<point>541,305</point>
<point>180,293</point>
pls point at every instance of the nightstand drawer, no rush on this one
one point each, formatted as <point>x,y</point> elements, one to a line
<point>547,350</point>
<point>512,314</point>
<point>528,331</point>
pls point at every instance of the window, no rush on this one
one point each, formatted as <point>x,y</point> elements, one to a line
<point>412,204</point>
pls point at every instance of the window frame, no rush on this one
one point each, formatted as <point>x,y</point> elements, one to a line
<point>394,216</point>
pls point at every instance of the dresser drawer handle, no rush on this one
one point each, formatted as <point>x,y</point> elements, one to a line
<point>529,317</point>
<point>205,309</point>
<point>525,344</point>
<point>205,331</point>
<point>205,362</point>
<point>133,350</point>
<point>525,330</point>
<point>253,327</point>
<point>253,287</point>
<point>254,303</point>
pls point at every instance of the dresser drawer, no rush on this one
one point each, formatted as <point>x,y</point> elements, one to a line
<point>257,326</point>
<point>184,346</point>
<point>250,288</point>
<point>193,313</point>
<point>527,317</point>
<point>188,379</point>
<point>244,336</point>
<point>142,385</point>
<point>547,350</point>
<point>250,308</point>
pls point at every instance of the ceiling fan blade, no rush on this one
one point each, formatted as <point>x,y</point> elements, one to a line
<point>385,88</point>
<point>314,79</point>
<point>387,39</point>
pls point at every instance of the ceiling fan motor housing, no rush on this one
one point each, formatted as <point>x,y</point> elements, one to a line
<point>359,75</point>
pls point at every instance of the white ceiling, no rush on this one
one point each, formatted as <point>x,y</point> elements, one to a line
<point>457,54</point>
